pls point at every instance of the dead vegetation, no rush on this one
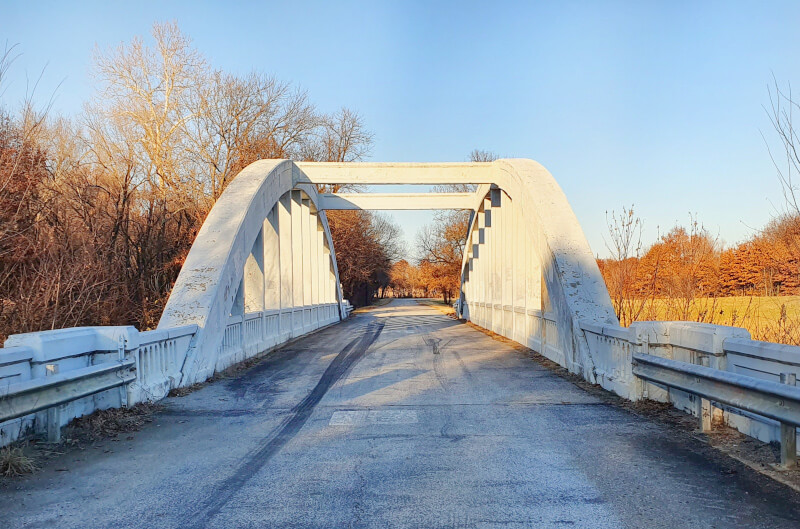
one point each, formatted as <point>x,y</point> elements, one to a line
<point>688,275</point>
<point>182,392</point>
<point>98,211</point>
<point>103,424</point>
<point>29,456</point>
<point>14,462</point>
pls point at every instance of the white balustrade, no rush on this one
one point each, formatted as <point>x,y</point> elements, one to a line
<point>257,332</point>
<point>611,348</point>
<point>159,359</point>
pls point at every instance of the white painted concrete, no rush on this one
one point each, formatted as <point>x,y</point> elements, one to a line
<point>224,273</point>
<point>719,347</point>
<point>38,355</point>
<point>397,201</point>
<point>536,206</point>
<point>366,173</point>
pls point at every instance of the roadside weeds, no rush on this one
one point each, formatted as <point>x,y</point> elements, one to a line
<point>15,462</point>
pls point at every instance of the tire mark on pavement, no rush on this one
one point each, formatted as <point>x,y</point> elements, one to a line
<point>438,371</point>
<point>288,428</point>
<point>467,373</point>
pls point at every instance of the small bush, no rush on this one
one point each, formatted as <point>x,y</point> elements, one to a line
<point>14,462</point>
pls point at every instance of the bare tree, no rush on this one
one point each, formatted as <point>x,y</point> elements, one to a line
<point>97,213</point>
<point>149,92</point>
<point>787,163</point>
<point>341,137</point>
<point>366,247</point>
<point>621,272</point>
<point>480,155</point>
<point>7,58</point>
<point>243,119</point>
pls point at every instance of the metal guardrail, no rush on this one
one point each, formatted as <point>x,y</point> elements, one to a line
<point>148,364</point>
<point>24,398</point>
<point>780,402</point>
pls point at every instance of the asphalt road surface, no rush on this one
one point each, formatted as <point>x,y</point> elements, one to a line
<point>398,417</point>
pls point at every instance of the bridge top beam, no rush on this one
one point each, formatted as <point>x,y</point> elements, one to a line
<point>397,201</point>
<point>397,173</point>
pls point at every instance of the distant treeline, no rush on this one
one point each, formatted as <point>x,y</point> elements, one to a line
<point>692,262</point>
<point>680,276</point>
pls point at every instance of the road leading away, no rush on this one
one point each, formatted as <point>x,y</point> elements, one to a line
<point>398,417</point>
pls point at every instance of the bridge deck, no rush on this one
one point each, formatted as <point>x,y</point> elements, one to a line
<point>399,417</point>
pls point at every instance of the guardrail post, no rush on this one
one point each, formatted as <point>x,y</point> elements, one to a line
<point>705,411</point>
<point>53,413</point>
<point>788,431</point>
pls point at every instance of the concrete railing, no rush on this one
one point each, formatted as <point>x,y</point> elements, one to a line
<point>713,387</point>
<point>49,378</point>
<point>347,308</point>
<point>731,358</point>
<point>69,362</point>
<point>159,359</point>
<point>533,328</point>
<point>728,351</point>
<point>255,332</point>
<point>612,348</point>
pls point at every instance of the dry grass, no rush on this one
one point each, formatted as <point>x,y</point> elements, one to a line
<point>182,392</point>
<point>17,459</point>
<point>14,462</point>
<point>767,318</point>
<point>732,309</point>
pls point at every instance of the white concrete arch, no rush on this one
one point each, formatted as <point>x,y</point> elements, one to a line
<point>261,271</point>
<point>528,272</point>
<point>534,240</point>
<point>528,269</point>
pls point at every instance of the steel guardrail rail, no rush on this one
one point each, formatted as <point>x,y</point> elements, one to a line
<point>762,397</point>
<point>24,398</point>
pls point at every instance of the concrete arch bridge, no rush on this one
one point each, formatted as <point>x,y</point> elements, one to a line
<point>398,416</point>
<point>528,271</point>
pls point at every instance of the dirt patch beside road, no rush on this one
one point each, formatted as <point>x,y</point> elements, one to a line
<point>439,305</point>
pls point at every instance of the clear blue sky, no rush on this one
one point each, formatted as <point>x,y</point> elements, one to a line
<point>656,104</point>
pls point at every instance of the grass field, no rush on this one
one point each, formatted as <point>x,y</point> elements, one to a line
<point>769,318</point>
<point>735,308</point>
